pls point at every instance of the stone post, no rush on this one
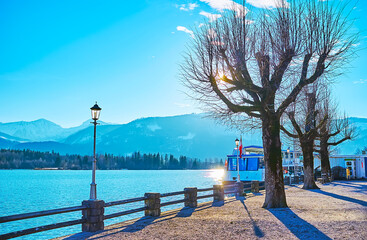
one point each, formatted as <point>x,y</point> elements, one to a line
<point>218,192</point>
<point>239,187</point>
<point>191,197</point>
<point>296,180</point>
<point>286,180</point>
<point>255,186</point>
<point>324,177</point>
<point>94,214</point>
<point>153,204</point>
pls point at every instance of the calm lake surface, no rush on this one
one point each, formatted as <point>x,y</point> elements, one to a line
<point>24,191</point>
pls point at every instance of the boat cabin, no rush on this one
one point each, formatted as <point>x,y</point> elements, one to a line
<point>251,164</point>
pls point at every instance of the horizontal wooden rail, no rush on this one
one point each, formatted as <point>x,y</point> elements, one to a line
<point>126,201</point>
<point>172,194</point>
<point>118,214</point>
<point>41,229</point>
<point>172,202</point>
<point>205,189</point>
<point>40,214</point>
<point>205,196</point>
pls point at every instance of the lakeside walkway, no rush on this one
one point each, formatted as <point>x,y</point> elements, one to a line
<point>337,211</point>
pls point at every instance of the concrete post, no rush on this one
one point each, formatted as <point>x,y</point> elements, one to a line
<point>218,192</point>
<point>153,204</point>
<point>286,180</point>
<point>296,180</point>
<point>239,187</point>
<point>191,197</point>
<point>324,177</point>
<point>255,186</point>
<point>94,214</point>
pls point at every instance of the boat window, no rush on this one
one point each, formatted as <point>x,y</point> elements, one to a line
<point>261,163</point>
<point>232,164</point>
<point>242,162</point>
<point>252,164</point>
<point>291,155</point>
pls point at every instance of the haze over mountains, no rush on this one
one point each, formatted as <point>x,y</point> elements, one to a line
<point>191,135</point>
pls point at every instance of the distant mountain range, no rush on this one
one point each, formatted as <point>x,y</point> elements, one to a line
<point>192,135</point>
<point>38,130</point>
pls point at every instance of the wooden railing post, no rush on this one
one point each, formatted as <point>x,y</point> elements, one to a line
<point>191,197</point>
<point>94,215</point>
<point>239,187</point>
<point>153,204</point>
<point>255,186</point>
<point>218,192</point>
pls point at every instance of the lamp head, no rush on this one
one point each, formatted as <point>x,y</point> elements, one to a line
<point>95,110</point>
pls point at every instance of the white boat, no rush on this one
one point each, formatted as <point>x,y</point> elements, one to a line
<point>251,164</point>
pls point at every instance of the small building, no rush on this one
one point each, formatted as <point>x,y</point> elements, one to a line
<point>355,163</point>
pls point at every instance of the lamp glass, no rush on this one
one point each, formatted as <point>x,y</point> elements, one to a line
<point>95,114</point>
<point>96,110</point>
<point>237,142</point>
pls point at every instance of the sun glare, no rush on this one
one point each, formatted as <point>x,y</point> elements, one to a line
<point>217,174</point>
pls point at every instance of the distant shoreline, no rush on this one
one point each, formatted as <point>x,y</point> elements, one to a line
<point>56,169</point>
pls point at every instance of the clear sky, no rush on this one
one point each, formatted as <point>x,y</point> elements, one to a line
<point>58,57</point>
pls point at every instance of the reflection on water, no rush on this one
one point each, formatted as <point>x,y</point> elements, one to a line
<point>216,174</point>
<point>29,190</point>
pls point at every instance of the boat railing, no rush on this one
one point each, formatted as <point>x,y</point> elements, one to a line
<point>93,210</point>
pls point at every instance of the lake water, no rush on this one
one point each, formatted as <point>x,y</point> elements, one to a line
<point>24,191</point>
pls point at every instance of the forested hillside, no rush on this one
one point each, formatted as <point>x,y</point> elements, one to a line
<point>27,159</point>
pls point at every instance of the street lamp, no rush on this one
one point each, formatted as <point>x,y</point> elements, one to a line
<point>289,157</point>
<point>238,165</point>
<point>96,110</point>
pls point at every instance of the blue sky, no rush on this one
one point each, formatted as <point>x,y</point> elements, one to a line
<point>58,57</point>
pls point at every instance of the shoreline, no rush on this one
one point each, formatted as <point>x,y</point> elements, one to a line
<point>51,169</point>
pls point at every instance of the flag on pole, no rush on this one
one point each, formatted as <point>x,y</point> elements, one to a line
<point>241,147</point>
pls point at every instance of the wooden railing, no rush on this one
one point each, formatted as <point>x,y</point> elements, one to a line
<point>93,210</point>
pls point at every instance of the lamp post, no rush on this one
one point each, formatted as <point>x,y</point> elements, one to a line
<point>238,165</point>
<point>96,110</point>
<point>289,156</point>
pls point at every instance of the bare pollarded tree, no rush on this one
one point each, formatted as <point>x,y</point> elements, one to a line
<point>334,131</point>
<point>245,64</point>
<point>303,118</point>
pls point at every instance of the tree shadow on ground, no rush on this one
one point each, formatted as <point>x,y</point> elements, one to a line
<point>299,227</point>
<point>345,198</point>
<point>357,187</point>
<point>256,228</point>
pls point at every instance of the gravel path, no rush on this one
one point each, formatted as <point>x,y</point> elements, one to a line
<point>336,211</point>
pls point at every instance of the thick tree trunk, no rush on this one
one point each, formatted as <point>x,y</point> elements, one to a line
<point>325,162</point>
<point>274,183</point>
<point>307,150</point>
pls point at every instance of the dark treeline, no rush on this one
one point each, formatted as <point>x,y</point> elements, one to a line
<point>27,159</point>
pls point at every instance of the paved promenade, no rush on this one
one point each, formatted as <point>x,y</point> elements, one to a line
<point>337,211</point>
